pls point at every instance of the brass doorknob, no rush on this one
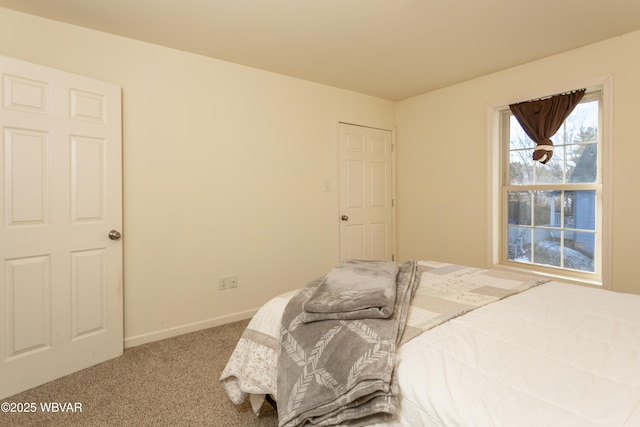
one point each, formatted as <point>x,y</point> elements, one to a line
<point>344,218</point>
<point>115,235</point>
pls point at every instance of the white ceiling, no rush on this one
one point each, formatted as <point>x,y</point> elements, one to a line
<point>393,49</point>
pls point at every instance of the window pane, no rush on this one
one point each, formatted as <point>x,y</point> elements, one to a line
<point>569,208</point>
<point>517,136</point>
<point>559,139</point>
<point>519,244</point>
<point>553,171</point>
<point>548,209</point>
<point>547,248</point>
<point>582,163</point>
<point>521,167</point>
<point>580,209</point>
<point>519,207</point>
<point>582,124</point>
<point>579,251</point>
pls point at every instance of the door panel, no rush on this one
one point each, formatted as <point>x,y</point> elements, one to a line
<point>378,233</point>
<point>88,289</point>
<point>354,242</point>
<point>355,184</point>
<point>27,171</point>
<point>29,288</point>
<point>366,199</point>
<point>61,276</point>
<point>87,178</point>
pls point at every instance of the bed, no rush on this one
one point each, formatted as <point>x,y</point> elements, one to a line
<point>486,348</point>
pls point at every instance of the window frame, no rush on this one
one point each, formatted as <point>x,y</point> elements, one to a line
<point>498,131</point>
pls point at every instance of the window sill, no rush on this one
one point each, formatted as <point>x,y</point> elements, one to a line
<point>550,273</point>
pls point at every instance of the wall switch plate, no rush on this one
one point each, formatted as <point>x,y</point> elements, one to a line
<point>233,281</point>
<point>223,283</point>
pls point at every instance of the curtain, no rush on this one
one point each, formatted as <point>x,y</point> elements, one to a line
<point>542,118</point>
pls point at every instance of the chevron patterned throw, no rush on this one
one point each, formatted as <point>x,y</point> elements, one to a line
<point>340,371</point>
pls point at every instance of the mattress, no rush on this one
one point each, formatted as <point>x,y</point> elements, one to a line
<point>555,355</point>
<point>552,354</point>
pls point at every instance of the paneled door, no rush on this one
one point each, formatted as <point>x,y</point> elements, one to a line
<point>60,224</point>
<point>366,196</point>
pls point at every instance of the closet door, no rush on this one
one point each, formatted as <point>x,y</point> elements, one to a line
<point>366,197</point>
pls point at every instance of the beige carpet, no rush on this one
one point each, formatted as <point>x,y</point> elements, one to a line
<point>173,382</point>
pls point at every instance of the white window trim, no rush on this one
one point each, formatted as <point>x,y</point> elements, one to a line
<point>495,152</point>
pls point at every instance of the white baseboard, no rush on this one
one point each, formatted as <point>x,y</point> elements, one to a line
<point>185,329</point>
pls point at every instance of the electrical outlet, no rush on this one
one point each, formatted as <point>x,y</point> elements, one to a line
<point>233,281</point>
<point>223,283</point>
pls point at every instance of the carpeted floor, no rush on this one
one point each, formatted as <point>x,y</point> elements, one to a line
<point>173,382</point>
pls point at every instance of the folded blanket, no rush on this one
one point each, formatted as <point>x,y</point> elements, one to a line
<point>341,371</point>
<point>354,290</point>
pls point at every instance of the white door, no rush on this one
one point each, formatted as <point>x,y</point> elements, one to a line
<point>366,196</point>
<point>61,192</point>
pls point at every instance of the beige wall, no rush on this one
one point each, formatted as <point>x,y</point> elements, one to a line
<point>443,156</point>
<point>224,172</point>
<point>224,167</point>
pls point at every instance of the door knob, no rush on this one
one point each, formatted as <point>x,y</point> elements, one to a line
<point>344,218</point>
<point>114,235</point>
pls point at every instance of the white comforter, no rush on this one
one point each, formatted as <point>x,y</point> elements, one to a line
<point>555,355</point>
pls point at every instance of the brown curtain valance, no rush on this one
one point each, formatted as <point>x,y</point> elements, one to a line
<point>542,118</point>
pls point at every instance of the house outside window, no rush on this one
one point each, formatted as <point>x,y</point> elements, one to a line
<point>552,213</point>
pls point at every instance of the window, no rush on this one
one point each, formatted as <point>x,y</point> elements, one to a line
<point>552,213</point>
